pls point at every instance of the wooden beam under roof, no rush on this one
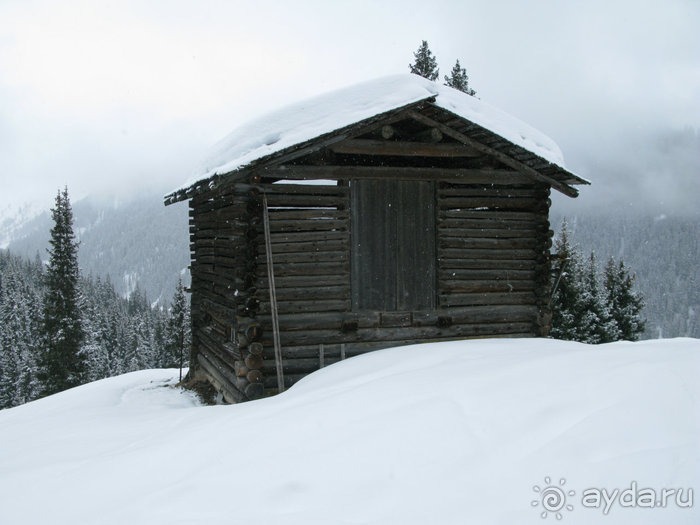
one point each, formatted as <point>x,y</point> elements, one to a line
<point>464,175</point>
<point>403,148</point>
<point>502,157</point>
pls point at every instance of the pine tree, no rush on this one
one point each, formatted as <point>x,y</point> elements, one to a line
<point>596,322</point>
<point>567,290</point>
<point>179,334</point>
<point>425,63</point>
<point>625,304</point>
<point>459,79</point>
<point>62,364</point>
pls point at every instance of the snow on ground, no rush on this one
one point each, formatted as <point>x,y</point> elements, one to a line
<point>447,433</point>
<point>308,119</point>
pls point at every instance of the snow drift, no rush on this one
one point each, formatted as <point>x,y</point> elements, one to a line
<point>446,433</point>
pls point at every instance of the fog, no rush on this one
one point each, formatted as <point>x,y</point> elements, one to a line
<point>125,97</point>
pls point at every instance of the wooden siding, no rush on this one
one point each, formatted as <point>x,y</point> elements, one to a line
<point>393,248</point>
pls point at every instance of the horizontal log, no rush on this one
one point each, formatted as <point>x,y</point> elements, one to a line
<point>489,273</point>
<point>307,225</point>
<point>270,382</point>
<point>355,349</point>
<point>256,348</point>
<point>373,319</point>
<point>254,390</point>
<point>310,201</point>
<point>447,264</point>
<point>309,246</point>
<point>281,188</point>
<point>212,276</point>
<point>403,148</point>
<point>497,254</point>
<point>471,286</point>
<point>253,361</point>
<point>472,176</point>
<point>506,192</point>
<point>309,265</point>
<point>317,305</point>
<point>225,350</point>
<point>305,293</point>
<point>501,215</point>
<point>481,243</point>
<point>218,262</point>
<point>305,281</point>
<point>486,298</point>
<point>228,300</point>
<point>423,333</point>
<point>221,310</point>
<point>502,233</point>
<point>492,223</point>
<point>336,256</point>
<point>224,367</point>
<point>495,203</point>
<point>227,244</point>
<point>231,393</point>
<point>316,236</point>
<point>223,226</point>
<point>299,365</point>
<point>320,214</point>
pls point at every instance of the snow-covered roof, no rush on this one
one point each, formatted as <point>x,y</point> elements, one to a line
<point>308,119</point>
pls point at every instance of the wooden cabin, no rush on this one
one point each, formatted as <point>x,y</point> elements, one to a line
<point>393,212</point>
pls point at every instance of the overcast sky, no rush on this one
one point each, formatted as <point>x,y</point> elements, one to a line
<point>118,97</point>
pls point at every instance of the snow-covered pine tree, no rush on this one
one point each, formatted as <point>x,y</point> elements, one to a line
<point>567,289</point>
<point>425,63</point>
<point>178,331</point>
<point>19,326</point>
<point>596,323</point>
<point>459,79</point>
<point>624,302</point>
<point>94,348</point>
<point>62,365</point>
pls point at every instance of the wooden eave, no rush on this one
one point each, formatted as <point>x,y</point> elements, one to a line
<point>471,140</point>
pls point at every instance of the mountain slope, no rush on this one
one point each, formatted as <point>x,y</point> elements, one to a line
<point>139,242</point>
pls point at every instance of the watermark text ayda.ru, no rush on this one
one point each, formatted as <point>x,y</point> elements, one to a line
<point>556,500</point>
<point>636,497</point>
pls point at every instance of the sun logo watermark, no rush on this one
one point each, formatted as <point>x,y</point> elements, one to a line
<point>552,497</point>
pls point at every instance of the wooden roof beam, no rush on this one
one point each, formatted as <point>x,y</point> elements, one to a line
<point>403,148</point>
<point>502,157</point>
<point>464,175</point>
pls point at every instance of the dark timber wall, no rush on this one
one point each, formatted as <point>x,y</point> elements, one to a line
<point>487,274</point>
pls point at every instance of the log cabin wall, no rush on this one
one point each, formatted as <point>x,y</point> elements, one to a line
<point>492,250</point>
<point>225,348</point>
<point>492,267</point>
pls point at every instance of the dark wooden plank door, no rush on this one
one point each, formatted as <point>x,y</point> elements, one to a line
<point>393,245</point>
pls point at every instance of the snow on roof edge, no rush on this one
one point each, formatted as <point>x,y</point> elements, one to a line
<point>323,114</point>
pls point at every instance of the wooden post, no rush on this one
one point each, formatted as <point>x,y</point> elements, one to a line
<point>320,355</point>
<point>273,298</point>
<point>342,351</point>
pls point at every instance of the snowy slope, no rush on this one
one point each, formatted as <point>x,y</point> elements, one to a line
<point>14,219</point>
<point>311,118</point>
<point>448,433</point>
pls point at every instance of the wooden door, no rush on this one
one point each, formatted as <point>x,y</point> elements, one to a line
<point>393,245</point>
